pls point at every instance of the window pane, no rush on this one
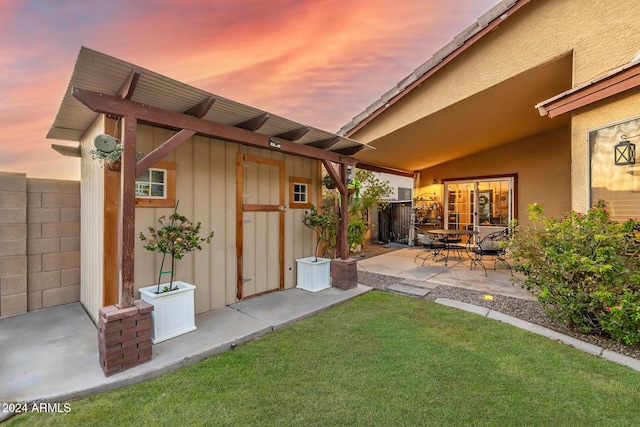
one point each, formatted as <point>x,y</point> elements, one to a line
<point>157,176</point>
<point>618,186</point>
<point>144,177</point>
<point>157,190</point>
<point>152,184</point>
<point>142,189</point>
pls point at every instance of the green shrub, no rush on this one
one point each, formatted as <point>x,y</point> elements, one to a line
<point>324,223</point>
<point>580,266</point>
<point>356,231</point>
<point>621,315</point>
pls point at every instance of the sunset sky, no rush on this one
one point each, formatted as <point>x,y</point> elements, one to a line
<point>317,62</point>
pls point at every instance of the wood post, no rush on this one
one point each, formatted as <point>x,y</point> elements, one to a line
<point>127,229</point>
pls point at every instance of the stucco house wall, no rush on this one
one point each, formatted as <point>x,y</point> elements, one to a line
<point>587,119</point>
<point>600,35</point>
<point>525,159</point>
<point>596,37</point>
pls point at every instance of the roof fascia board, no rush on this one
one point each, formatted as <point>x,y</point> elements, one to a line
<point>596,90</point>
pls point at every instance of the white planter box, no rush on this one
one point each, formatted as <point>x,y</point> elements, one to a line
<point>313,276</point>
<point>173,312</point>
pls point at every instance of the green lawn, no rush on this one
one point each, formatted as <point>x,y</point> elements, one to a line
<point>379,360</point>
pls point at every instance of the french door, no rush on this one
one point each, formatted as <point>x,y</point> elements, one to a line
<point>483,205</point>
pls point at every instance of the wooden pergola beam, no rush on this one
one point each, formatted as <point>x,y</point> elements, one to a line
<point>202,108</point>
<point>129,86</point>
<point>112,105</point>
<point>160,152</point>
<point>293,135</point>
<point>325,144</point>
<point>254,123</point>
<point>375,168</point>
<point>349,151</point>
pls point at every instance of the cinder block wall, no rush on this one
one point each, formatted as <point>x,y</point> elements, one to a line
<point>13,243</point>
<point>39,243</point>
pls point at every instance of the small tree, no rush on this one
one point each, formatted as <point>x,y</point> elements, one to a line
<point>372,192</point>
<point>368,191</point>
<point>321,222</point>
<point>176,236</point>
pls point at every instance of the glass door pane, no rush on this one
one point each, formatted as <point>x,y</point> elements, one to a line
<point>494,205</point>
<point>458,205</point>
<point>482,205</point>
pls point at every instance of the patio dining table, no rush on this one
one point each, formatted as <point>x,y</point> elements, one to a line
<point>454,240</point>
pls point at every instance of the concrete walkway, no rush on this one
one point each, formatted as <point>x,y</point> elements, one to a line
<point>51,355</point>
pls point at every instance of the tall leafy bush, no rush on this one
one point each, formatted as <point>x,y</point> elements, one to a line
<point>583,269</point>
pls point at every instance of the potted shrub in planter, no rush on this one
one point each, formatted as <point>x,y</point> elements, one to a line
<point>173,302</point>
<point>314,273</point>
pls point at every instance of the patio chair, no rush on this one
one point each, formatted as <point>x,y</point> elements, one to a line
<point>493,246</point>
<point>430,248</point>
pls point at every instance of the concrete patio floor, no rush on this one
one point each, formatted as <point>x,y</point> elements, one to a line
<point>400,263</point>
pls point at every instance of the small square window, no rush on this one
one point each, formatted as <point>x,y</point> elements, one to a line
<point>156,187</point>
<point>299,189</point>
<point>152,183</point>
<point>300,192</point>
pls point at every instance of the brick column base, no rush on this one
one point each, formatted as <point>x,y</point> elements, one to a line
<point>124,337</point>
<point>344,273</point>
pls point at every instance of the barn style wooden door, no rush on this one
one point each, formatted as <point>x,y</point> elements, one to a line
<point>260,225</point>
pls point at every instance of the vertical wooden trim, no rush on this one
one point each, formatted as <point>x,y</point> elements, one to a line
<point>281,218</point>
<point>318,183</point>
<point>127,211</point>
<point>239,212</point>
<point>344,214</point>
<point>110,238</point>
<point>318,188</point>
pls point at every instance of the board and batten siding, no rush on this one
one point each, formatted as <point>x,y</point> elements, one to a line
<point>206,191</point>
<point>91,223</point>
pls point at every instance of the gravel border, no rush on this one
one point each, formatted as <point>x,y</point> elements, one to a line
<point>529,311</point>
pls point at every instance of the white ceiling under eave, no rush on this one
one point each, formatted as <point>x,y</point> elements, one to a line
<point>101,73</point>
